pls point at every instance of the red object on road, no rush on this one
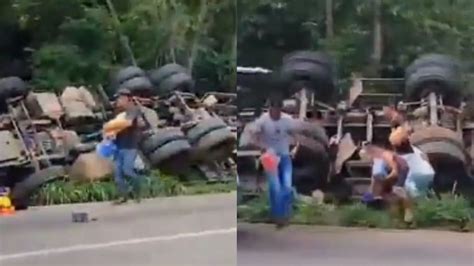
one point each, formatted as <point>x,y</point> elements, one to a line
<point>269,161</point>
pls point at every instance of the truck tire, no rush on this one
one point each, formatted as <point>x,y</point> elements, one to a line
<point>13,87</point>
<point>435,73</point>
<point>437,79</point>
<point>172,157</point>
<point>448,162</point>
<point>446,153</point>
<point>128,73</point>
<point>216,145</point>
<point>178,81</point>
<point>311,56</point>
<point>23,190</point>
<point>203,127</point>
<point>429,60</point>
<point>312,70</point>
<point>311,166</point>
<point>309,178</point>
<point>138,86</point>
<point>160,74</point>
<point>157,138</point>
<point>317,132</point>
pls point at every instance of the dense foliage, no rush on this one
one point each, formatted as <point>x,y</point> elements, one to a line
<point>349,31</point>
<point>83,41</point>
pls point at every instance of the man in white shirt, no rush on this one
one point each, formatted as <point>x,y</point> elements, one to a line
<point>273,131</point>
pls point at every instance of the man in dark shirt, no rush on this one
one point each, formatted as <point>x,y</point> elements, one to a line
<point>127,146</point>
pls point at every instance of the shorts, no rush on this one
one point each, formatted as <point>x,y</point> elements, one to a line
<point>379,169</point>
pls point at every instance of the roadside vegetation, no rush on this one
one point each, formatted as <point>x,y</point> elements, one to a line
<point>154,185</point>
<point>449,212</point>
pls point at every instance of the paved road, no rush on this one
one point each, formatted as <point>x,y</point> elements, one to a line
<point>198,230</point>
<point>260,245</point>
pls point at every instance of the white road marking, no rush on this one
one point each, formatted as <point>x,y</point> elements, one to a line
<point>82,247</point>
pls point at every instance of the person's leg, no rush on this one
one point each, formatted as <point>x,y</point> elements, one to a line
<point>286,172</point>
<point>376,186</point>
<point>129,157</point>
<point>274,194</point>
<point>379,172</point>
<point>406,202</point>
<point>119,175</point>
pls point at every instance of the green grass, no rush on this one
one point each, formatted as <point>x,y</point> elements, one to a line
<point>449,212</point>
<point>156,185</point>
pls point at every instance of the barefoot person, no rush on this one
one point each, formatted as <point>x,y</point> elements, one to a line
<point>273,132</point>
<point>421,174</point>
<point>126,141</point>
<point>404,173</point>
<point>389,172</point>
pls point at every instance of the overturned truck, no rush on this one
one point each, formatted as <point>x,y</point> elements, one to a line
<point>429,99</point>
<point>46,135</point>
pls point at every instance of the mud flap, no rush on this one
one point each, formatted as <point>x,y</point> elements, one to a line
<point>346,150</point>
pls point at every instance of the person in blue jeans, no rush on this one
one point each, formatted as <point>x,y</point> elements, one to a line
<point>273,131</point>
<point>127,147</point>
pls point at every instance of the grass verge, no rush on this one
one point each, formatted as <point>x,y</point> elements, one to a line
<point>449,212</point>
<point>155,185</point>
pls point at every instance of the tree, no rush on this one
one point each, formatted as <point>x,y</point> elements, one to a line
<point>83,41</point>
<point>379,34</point>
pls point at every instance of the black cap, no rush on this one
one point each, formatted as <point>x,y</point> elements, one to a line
<point>123,92</point>
<point>276,101</point>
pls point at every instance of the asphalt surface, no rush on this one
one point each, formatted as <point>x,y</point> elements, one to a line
<point>261,245</point>
<point>197,230</point>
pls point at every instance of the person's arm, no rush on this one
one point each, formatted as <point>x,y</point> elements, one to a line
<point>112,124</point>
<point>297,126</point>
<point>134,115</point>
<point>255,132</point>
<point>394,171</point>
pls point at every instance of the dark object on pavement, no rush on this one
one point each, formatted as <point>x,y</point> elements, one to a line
<point>80,217</point>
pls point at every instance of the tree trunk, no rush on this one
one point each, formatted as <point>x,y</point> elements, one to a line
<point>197,35</point>
<point>329,19</point>
<point>123,39</point>
<point>234,58</point>
<point>172,39</point>
<point>378,36</point>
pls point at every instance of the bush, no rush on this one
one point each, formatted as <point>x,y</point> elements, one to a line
<point>156,185</point>
<point>446,211</point>
<point>255,210</point>
<point>449,211</point>
<point>361,216</point>
<point>309,213</point>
